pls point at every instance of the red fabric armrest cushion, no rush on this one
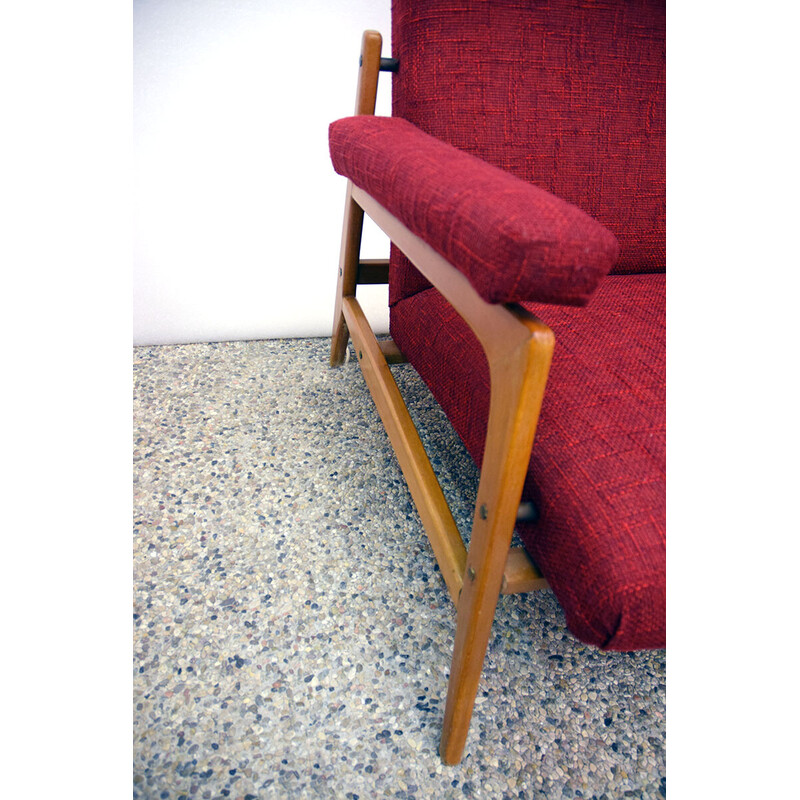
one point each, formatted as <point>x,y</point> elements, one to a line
<point>513,240</point>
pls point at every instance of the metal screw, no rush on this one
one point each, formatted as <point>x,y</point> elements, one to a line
<point>484,512</point>
<point>471,573</point>
<point>359,354</point>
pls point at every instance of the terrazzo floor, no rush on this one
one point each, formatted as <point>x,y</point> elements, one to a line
<point>292,635</point>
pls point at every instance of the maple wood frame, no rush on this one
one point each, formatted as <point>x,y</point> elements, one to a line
<point>518,348</point>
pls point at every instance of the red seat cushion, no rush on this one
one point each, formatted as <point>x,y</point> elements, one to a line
<point>597,472</point>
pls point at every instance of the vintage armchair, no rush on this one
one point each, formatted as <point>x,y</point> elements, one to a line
<point>521,182</point>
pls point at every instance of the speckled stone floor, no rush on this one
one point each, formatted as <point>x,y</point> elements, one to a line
<point>292,635</point>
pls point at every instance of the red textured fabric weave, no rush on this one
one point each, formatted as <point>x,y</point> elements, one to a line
<point>597,472</point>
<point>566,94</point>
<point>512,240</point>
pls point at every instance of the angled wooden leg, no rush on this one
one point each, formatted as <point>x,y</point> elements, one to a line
<point>437,518</point>
<point>348,272</point>
<point>517,389</point>
<point>366,92</point>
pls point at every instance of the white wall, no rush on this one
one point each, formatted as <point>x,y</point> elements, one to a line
<point>237,209</point>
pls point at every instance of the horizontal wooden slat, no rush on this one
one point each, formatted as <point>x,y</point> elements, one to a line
<point>391,352</point>
<point>373,270</point>
<point>520,574</point>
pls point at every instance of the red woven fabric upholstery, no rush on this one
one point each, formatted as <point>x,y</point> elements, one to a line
<point>597,472</point>
<point>566,94</point>
<point>512,240</point>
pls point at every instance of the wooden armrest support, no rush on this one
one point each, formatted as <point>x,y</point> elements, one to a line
<point>518,348</point>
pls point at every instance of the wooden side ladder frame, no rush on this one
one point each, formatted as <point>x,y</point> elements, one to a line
<point>518,348</point>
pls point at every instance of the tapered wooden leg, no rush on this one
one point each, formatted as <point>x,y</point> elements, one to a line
<point>348,272</point>
<point>517,389</point>
<point>366,92</point>
<point>476,609</point>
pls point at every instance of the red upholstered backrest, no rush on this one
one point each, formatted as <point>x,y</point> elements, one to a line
<point>566,94</point>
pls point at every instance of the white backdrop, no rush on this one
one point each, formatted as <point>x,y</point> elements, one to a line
<point>237,210</point>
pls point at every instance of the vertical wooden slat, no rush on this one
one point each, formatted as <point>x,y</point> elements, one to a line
<point>369,68</point>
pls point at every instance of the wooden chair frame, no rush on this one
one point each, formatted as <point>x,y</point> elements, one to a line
<point>518,348</point>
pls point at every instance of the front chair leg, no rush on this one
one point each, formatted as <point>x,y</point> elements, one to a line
<point>476,608</point>
<point>518,380</point>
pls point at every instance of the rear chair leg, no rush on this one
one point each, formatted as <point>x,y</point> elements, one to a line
<point>348,272</point>
<point>366,92</point>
